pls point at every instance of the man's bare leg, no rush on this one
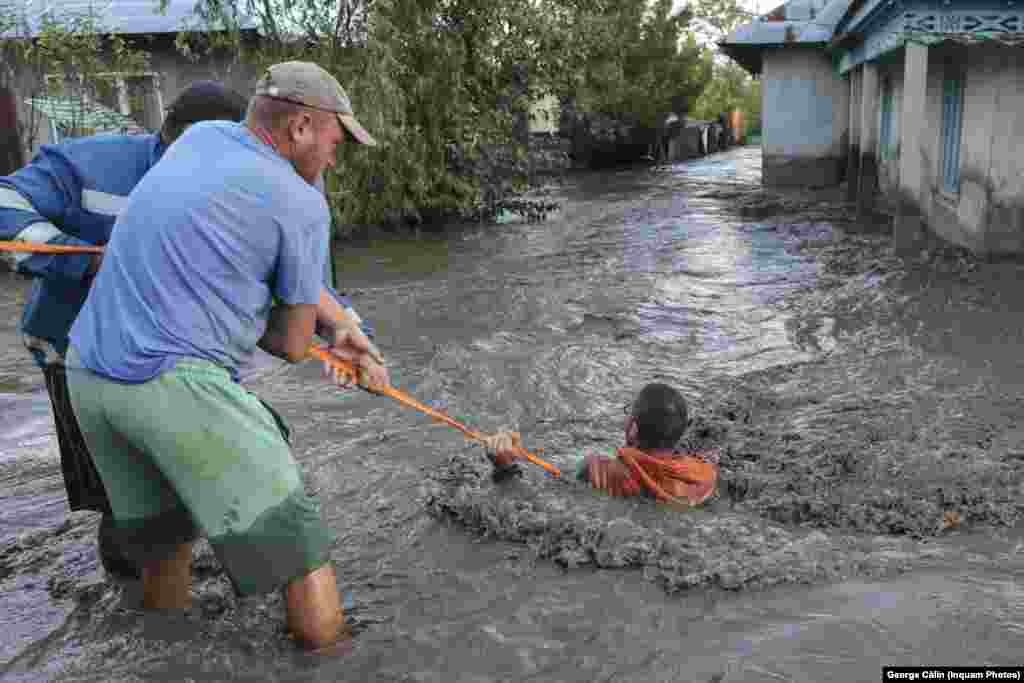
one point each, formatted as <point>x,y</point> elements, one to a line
<point>167,583</point>
<point>315,614</point>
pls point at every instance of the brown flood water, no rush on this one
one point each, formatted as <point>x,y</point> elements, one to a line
<point>866,402</point>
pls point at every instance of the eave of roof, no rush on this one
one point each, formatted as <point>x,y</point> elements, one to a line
<point>746,43</point>
<point>121,17</point>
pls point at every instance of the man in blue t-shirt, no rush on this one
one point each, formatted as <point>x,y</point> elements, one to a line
<point>225,226</point>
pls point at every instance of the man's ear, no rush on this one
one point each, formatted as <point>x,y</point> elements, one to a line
<point>632,431</point>
<point>301,126</point>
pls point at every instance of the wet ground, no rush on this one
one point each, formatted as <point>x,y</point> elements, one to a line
<point>865,401</point>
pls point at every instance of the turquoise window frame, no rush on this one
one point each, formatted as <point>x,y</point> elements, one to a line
<point>952,127</point>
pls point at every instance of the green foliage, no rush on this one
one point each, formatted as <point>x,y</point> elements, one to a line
<point>445,85</point>
<point>715,19</point>
<point>731,88</point>
<point>631,58</point>
<point>69,57</point>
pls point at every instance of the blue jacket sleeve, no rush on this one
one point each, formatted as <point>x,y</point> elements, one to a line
<point>33,200</point>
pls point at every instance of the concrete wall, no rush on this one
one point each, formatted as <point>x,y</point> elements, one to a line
<point>176,73</point>
<point>1006,175</point>
<point>988,214</point>
<point>853,79</point>
<point>889,150</point>
<point>805,106</point>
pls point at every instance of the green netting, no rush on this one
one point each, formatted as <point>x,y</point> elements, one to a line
<point>76,114</point>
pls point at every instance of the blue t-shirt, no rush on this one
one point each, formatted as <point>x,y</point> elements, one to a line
<point>216,229</point>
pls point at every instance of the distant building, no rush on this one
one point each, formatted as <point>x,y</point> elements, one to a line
<point>805,105</point>
<point>121,102</point>
<point>924,101</point>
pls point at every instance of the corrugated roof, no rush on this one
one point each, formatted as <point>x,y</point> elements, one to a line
<point>807,22</point>
<point>75,113</point>
<point>125,17</point>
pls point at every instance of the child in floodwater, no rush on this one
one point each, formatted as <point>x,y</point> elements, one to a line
<point>648,464</point>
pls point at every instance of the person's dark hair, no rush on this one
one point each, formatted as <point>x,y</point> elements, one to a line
<point>201,101</point>
<point>661,416</point>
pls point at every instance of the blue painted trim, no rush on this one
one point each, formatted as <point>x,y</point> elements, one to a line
<point>885,132</point>
<point>867,15</point>
<point>952,127</point>
<point>877,12</point>
<point>925,23</point>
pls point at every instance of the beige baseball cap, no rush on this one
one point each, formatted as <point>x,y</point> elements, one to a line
<point>311,85</point>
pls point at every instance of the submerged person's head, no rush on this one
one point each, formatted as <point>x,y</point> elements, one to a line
<point>201,101</point>
<point>657,418</point>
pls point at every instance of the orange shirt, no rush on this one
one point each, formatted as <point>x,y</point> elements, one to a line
<point>680,477</point>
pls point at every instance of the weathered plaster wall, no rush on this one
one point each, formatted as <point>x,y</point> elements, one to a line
<point>176,73</point>
<point>806,118</point>
<point>987,216</point>
<point>853,148</point>
<point>889,149</point>
<point>1005,187</point>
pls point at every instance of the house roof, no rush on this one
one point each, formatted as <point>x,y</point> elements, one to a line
<point>123,17</point>
<point>74,113</point>
<point>806,22</point>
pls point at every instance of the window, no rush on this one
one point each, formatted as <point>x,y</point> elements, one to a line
<point>885,133</point>
<point>952,125</point>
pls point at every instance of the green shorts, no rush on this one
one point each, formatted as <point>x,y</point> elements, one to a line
<point>192,452</point>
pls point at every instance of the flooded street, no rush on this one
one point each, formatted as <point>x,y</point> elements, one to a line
<point>867,405</point>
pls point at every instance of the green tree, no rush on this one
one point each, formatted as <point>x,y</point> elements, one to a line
<point>632,58</point>
<point>67,58</point>
<point>715,19</point>
<point>445,84</point>
<point>730,86</point>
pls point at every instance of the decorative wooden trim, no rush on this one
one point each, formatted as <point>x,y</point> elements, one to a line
<point>930,27</point>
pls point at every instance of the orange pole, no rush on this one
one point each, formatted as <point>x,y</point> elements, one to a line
<point>344,366</point>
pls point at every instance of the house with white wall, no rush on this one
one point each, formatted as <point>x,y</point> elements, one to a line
<point>934,111</point>
<point>804,114</point>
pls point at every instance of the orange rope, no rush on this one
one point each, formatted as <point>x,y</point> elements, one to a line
<point>344,366</point>
<point>350,370</point>
<point>652,485</point>
<point>38,248</point>
<point>640,463</point>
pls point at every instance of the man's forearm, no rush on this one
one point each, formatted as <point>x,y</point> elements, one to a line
<point>346,303</point>
<point>289,332</point>
<point>330,315</point>
<point>332,318</point>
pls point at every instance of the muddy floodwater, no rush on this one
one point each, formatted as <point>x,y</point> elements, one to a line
<point>867,402</point>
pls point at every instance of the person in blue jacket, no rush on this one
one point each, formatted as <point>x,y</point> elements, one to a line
<point>71,194</point>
